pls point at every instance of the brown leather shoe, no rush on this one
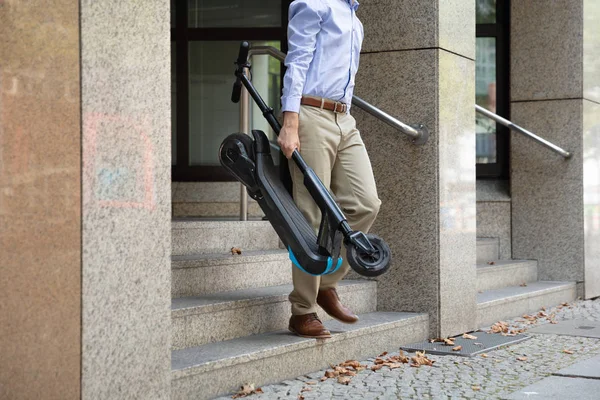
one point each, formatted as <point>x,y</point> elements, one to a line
<point>330,302</point>
<point>309,326</point>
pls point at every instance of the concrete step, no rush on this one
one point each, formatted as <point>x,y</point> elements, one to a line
<point>500,304</point>
<point>200,274</point>
<point>192,236</point>
<point>215,369</point>
<point>506,273</point>
<point>223,316</point>
<point>488,249</point>
<point>215,209</point>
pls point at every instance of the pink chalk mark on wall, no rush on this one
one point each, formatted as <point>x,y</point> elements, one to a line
<point>144,176</point>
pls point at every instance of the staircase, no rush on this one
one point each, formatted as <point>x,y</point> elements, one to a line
<point>230,313</point>
<point>510,288</point>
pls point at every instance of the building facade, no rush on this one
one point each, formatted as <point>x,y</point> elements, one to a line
<point>113,204</point>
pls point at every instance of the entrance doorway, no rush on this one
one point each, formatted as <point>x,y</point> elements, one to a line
<point>205,38</point>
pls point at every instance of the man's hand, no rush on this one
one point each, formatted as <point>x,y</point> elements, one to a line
<point>288,138</point>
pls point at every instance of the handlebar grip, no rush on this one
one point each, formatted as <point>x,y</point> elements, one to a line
<point>243,54</point>
<point>237,91</point>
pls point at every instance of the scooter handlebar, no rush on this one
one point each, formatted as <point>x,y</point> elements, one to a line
<point>241,61</point>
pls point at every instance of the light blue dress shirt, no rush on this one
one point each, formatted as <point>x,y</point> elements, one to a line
<point>325,38</point>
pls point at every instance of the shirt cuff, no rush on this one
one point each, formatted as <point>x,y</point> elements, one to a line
<point>291,104</point>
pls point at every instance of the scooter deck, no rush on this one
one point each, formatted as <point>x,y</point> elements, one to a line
<point>285,216</point>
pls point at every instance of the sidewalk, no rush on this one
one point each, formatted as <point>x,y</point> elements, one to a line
<point>506,373</point>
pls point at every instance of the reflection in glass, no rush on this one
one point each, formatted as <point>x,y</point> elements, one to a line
<point>212,114</point>
<point>485,90</point>
<point>234,13</point>
<point>486,11</point>
<point>173,103</point>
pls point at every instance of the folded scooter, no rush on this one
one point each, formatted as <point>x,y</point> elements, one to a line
<point>249,160</point>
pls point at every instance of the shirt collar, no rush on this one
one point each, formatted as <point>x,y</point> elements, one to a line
<point>353,3</point>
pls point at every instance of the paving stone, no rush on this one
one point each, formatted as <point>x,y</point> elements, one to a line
<point>499,375</point>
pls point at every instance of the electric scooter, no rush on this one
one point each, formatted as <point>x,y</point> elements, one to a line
<point>249,160</point>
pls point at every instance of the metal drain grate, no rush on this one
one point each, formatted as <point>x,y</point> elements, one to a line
<point>484,343</point>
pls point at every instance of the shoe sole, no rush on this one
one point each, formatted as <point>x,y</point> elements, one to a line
<point>309,337</point>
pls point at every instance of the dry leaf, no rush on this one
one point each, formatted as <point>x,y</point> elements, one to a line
<point>351,363</point>
<point>300,397</point>
<point>344,380</point>
<point>467,336</point>
<point>484,355</point>
<point>246,389</point>
<point>524,284</point>
<point>305,389</point>
<point>568,351</point>
<point>394,365</point>
<point>553,322</point>
<point>311,383</point>
<point>383,354</point>
<point>376,367</point>
<point>379,360</point>
<point>522,358</point>
<point>491,263</point>
<point>331,374</point>
<point>543,308</point>
<point>323,379</point>
<point>476,388</point>
<point>457,348</point>
<point>449,342</point>
<point>236,250</point>
<point>420,359</point>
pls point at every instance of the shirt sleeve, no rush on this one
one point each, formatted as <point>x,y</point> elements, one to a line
<point>305,21</point>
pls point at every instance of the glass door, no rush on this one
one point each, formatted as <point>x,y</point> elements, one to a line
<point>492,87</point>
<point>206,35</point>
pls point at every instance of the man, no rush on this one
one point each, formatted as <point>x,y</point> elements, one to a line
<point>325,39</point>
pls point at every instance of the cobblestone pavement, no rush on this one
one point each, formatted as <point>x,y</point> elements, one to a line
<point>454,377</point>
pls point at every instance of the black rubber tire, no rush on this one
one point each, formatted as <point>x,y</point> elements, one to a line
<point>374,265</point>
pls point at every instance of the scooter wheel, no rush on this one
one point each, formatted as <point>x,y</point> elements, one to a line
<point>370,264</point>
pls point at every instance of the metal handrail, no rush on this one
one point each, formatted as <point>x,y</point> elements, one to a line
<point>523,131</point>
<point>418,133</point>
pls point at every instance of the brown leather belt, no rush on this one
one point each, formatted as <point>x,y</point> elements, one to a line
<point>326,104</point>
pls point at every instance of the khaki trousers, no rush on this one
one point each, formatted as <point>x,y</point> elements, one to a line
<point>333,148</point>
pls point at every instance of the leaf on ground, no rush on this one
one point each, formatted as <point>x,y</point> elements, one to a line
<point>246,390</point>
<point>457,348</point>
<point>522,358</point>
<point>383,354</point>
<point>449,342</point>
<point>420,359</point>
<point>476,388</point>
<point>376,367</point>
<point>311,382</point>
<point>300,397</point>
<point>484,355</point>
<point>331,374</point>
<point>470,337</point>
<point>351,363</point>
<point>524,284</point>
<point>305,389</point>
<point>323,379</point>
<point>553,322</point>
<point>394,365</point>
<point>568,351</point>
<point>344,380</point>
<point>236,250</point>
<point>491,263</point>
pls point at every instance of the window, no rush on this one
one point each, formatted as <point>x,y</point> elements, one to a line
<point>492,87</point>
<point>206,35</point>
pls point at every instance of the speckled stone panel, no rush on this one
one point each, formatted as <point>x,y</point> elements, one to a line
<point>398,25</point>
<point>414,24</point>
<point>126,116</point>
<point>40,200</point>
<point>494,221</point>
<point>428,192</point>
<point>546,49</point>
<point>457,27</point>
<point>456,191</point>
<point>591,196</point>
<point>591,50</point>
<point>547,190</point>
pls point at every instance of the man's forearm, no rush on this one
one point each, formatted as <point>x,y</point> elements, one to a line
<point>290,119</point>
